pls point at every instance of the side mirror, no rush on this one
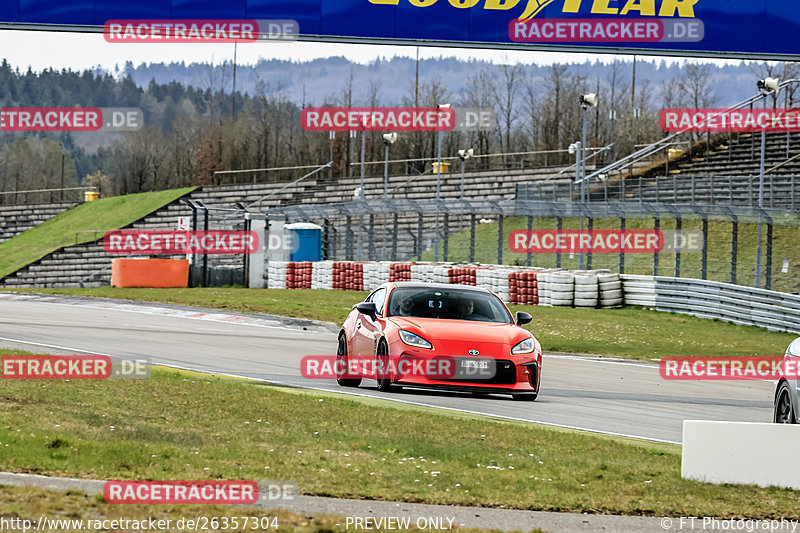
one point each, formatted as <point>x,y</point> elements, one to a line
<point>523,318</point>
<point>369,309</point>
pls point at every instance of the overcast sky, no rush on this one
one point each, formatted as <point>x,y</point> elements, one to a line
<point>41,50</point>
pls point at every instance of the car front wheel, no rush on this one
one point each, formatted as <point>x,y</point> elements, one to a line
<point>384,374</point>
<point>784,413</point>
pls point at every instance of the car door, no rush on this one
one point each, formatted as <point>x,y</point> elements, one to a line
<point>367,330</point>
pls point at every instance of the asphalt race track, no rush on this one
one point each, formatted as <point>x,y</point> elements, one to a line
<point>610,396</point>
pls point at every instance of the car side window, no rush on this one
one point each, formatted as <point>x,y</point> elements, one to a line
<point>379,298</point>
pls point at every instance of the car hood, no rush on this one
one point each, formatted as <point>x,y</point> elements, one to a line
<point>435,329</point>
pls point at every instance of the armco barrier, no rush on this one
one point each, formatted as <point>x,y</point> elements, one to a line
<point>516,285</point>
<point>775,311</point>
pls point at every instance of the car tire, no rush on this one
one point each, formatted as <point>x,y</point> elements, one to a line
<point>527,397</point>
<point>341,355</point>
<point>783,412</point>
<point>382,355</point>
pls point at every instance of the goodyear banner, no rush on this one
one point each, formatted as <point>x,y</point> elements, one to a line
<point>741,28</point>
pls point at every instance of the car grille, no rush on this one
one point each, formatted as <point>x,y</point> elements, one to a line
<point>506,374</point>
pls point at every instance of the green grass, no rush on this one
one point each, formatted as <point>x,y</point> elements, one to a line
<point>28,503</point>
<point>631,332</point>
<point>63,230</point>
<point>785,245</point>
<point>191,426</point>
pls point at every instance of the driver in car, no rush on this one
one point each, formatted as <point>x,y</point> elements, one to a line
<point>465,309</point>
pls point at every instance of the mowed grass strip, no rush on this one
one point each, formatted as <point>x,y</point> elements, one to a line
<point>179,426</point>
<point>63,230</point>
<point>631,333</point>
<point>29,503</point>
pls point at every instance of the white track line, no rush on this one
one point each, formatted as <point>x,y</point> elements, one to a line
<point>397,400</point>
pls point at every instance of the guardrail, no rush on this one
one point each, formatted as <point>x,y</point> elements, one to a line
<point>773,310</point>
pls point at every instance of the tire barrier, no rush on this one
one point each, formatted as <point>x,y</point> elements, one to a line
<point>530,286</point>
<point>523,288</point>
<point>736,304</point>
<point>515,285</point>
<point>298,275</point>
<point>463,276</point>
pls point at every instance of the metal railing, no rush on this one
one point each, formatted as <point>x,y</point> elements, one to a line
<point>403,229</point>
<point>44,196</point>
<point>648,151</point>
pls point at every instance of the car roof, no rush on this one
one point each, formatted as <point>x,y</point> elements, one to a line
<point>442,286</point>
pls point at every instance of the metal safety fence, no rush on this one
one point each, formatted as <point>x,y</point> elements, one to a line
<point>477,231</point>
<point>708,299</point>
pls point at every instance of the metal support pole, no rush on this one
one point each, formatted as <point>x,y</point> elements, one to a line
<point>438,194</point>
<point>674,189</point>
<point>205,256</point>
<point>395,229</point>
<point>385,174</point>
<point>500,240</point>
<point>463,164</point>
<point>472,220</point>
<point>529,258</point>
<point>559,226</point>
<point>760,202</point>
<point>768,269</point>
<point>704,267</point>
<point>348,239</point>
<point>734,249</point>
<point>371,238</point>
<point>678,227</point>
<point>583,182</point>
<point>590,226</point>
<point>657,228</point>
<point>419,237</point>
<point>326,237</point>
<point>446,229</point>
<point>622,249</point>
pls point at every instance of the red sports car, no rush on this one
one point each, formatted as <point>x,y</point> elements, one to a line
<point>439,336</point>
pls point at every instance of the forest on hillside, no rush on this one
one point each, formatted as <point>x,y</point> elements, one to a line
<point>194,129</point>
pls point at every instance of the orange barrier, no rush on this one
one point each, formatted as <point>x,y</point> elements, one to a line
<point>150,273</point>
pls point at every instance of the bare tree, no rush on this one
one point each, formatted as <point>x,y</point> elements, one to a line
<point>505,94</point>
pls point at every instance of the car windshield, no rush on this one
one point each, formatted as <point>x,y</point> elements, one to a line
<point>450,304</point>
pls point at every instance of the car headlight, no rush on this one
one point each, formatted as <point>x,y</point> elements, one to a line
<point>526,346</point>
<point>412,339</point>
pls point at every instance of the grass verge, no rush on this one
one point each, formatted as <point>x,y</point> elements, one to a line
<point>63,230</point>
<point>631,332</point>
<point>181,426</point>
<point>27,503</point>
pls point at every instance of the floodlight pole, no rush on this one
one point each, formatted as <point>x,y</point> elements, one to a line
<point>385,196</point>
<point>582,153</point>
<point>438,194</point>
<point>386,173</point>
<point>761,199</point>
<point>361,196</point>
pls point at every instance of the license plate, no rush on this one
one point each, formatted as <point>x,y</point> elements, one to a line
<point>475,364</point>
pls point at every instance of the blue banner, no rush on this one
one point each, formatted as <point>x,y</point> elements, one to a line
<point>741,28</point>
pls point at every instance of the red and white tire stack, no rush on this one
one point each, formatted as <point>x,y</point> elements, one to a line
<point>523,288</point>
<point>518,286</point>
